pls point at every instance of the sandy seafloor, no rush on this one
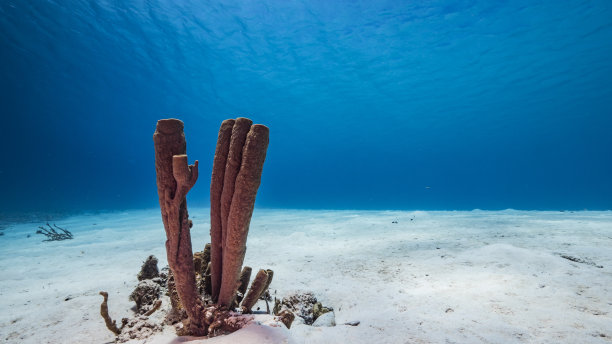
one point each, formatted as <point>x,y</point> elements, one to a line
<point>432,277</point>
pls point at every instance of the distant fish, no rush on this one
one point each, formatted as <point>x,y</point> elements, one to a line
<point>428,187</point>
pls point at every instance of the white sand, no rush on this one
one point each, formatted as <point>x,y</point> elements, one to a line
<point>442,277</point>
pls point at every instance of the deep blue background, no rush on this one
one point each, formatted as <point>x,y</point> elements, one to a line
<point>371,104</point>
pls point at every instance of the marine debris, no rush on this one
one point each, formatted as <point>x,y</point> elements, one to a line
<point>52,234</point>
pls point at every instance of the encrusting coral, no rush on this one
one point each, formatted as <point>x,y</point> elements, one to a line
<point>146,293</point>
<point>304,305</point>
<point>149,269</point>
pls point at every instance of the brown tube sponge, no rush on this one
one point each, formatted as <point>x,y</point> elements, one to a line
<point>216,189</point>
<point>232,168</point>
<point>207,281</point>
<point>245,277</point>
<point>256,289</point>
<point>174,179</point>
<point>270,276</point>
<point>239,217</point>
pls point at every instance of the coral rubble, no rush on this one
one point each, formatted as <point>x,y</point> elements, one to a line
<point>149,269</point>
<point>304,305</point>
<point>145,295</point>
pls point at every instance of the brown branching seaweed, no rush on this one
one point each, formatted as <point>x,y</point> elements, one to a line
<point>52,234</point>
<point>110,324</point>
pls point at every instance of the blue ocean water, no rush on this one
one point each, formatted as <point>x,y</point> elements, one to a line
<point>371,104</point>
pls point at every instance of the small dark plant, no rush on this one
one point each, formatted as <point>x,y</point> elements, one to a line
<point>52,234</point>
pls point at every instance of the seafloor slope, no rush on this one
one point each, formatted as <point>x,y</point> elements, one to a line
<point>408,277</point>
